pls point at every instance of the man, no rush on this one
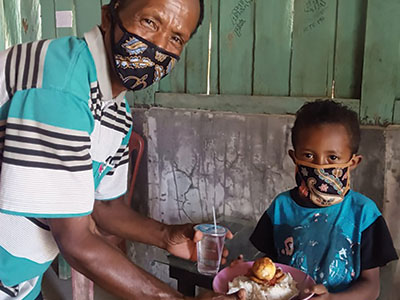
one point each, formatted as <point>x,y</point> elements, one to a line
<point>65,127</point>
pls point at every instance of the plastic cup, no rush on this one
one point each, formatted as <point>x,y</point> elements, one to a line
<point>209,249</point>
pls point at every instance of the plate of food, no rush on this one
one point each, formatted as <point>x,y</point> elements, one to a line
<point>264,280</point>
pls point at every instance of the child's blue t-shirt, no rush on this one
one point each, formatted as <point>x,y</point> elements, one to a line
<point>327,243</point>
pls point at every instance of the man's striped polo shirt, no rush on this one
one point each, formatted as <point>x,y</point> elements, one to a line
<point>63,144</point>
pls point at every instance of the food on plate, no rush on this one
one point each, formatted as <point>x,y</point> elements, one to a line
<point>265,281</point>
<point>263,270</point>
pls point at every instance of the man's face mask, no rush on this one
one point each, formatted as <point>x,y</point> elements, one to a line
<point>138,62</point>
<point>324,185</point>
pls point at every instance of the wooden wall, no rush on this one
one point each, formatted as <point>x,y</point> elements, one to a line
<point>283,49</point>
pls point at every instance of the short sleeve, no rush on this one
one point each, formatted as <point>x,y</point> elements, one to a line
<point>376,245</point>
<point>46,168</point>
<point>115,183</point>
<point>263,237</point>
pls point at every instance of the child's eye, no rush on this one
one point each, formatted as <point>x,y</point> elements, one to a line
<point>333,157</point>
<point>308,155</point>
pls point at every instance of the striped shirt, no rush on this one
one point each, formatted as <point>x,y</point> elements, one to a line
<point>63,144</point>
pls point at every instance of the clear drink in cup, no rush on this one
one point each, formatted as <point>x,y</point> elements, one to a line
<point>209,249</point>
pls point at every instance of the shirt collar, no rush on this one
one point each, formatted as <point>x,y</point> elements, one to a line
<point>95,41</point>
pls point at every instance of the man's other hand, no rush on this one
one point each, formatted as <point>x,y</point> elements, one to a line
<point>181,241</point>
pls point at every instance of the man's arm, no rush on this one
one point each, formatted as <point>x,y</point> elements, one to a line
<point>91,255</point>
<point>95,258</point>
<point>117,218</point>
<point>366,287</point>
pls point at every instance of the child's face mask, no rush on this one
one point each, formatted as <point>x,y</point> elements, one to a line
<point>323,185</point>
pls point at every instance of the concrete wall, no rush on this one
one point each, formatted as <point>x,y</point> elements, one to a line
<point>239,163</point>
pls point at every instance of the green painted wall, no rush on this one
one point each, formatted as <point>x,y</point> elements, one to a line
<point>279,48</point>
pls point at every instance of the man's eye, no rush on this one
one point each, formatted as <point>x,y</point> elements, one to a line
<point>177,40</point>
<point>149,23</point>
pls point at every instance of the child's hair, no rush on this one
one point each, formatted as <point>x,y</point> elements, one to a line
<point>327,111</point>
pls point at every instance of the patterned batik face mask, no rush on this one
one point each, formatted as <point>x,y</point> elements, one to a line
<point>323,185</point>
<point>138,62</point>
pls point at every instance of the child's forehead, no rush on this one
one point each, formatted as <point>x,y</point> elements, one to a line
<point>334,134</point>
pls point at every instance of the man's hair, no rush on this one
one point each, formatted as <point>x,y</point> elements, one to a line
<point>123,4</point>
<point>322,112</point>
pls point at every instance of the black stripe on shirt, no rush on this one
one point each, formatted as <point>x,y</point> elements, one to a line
<point>42,165</point>
<point>38,223</point>
<point>49,133</point>
<point>35,141</point>
<point>8,73</point>
<point>122,121</point>
<point>19,50</point>
<point>121,163</point>
<point>125,155</point>
<point>12,293</point>
<point>65,158</point>
<point>37,62</point>
<point>26,67</point>
<point>114,127</point>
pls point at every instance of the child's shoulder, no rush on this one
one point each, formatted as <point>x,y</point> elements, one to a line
<point>283,197</point>
<point>357,199</point>
<point>362,207</point>
<point>281,200</point>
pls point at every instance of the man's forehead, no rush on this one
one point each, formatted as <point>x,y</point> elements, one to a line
<point>184,13</point>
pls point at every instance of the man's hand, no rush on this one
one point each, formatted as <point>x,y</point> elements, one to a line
<point>181,241</point>
<point>241,295</point>
<point>320,292</point>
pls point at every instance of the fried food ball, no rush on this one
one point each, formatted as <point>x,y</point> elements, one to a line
<point>264,268</point>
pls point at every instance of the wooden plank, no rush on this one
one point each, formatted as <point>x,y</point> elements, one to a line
<point>197,53</point>
<point>30,21</point>
<point>197,56</point>
<point>381,59</point>
<point>66,5</point>
<point>12,13</point>
<point>273,36</point>
<point>241,103</point>
<point>48,19</point>
<point>88,14</point>
<point>215,60</point>
<point>236,46</point>
<point>313,47</point>
<point>350,39</point>
<point>175,81</point>
<point>143,97</point>
<point>396,112</point>
<point>3,27</point>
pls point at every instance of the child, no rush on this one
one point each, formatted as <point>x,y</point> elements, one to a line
<point>322,227</point>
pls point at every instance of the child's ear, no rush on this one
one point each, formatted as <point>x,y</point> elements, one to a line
<point>355,161</point>
<point>292,155</point>
<point>105,18</point>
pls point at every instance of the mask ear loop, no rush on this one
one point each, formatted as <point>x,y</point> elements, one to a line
<point>114,16</point>
<point>113,7</point>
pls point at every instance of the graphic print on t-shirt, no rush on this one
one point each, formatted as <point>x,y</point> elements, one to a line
<point>307,246</point>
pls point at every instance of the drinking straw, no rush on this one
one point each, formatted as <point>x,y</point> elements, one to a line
<point>215,220</point>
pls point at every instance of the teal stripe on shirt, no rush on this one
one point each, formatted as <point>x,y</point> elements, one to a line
<point>24,214</point>
<point>52,107</point>
<point>14,270</point>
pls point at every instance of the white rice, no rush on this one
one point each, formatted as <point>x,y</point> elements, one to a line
<point>284,290</point>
